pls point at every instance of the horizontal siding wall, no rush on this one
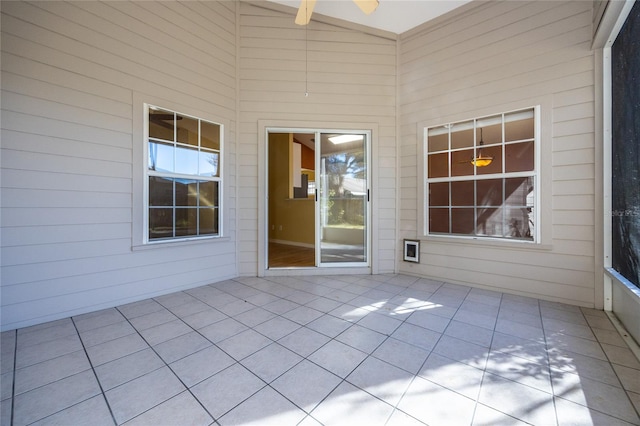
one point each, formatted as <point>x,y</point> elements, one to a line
<point>70,72</point>
<point>351,78</point>
<point>489,58</point>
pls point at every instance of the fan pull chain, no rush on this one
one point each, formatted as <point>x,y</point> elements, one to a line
<point>306,61</point>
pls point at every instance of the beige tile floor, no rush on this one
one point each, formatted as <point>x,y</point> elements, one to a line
<point>353,350</point>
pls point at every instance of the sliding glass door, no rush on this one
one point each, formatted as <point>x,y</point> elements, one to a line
<point>343,194</point>
<point>318,198</point>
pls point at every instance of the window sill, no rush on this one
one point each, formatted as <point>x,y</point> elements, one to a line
<point>179,243</point>
<point>485,242</point>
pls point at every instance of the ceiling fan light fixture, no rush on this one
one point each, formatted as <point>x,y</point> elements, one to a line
<point>481,161</point>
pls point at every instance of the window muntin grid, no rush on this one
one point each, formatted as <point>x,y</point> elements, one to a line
<point>184,170</point>
<point>494,201</point>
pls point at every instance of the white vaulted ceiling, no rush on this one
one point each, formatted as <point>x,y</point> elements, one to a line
<point>396,16</point>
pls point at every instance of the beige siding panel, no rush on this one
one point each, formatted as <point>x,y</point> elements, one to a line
<point>60,94</point>
<point>43,73</point>
<point>573,187</point>
<point>87,264</point>
<point>566,158</point>
<point>573,217</point>
<point>23,160</point>
<point>19,141</point>
<point>350,77</point>
<point>573,172</point>
<point>521,286</point>
<point>64,216</point>
<point>574,202</point>
<point>573,142</point>
<point>494,57</point>
<point>57,234</point>
<point>518,255</point>
<point>69,74</point>
<point>60,112</point>
<point>27,123</point>
<point>34,198</point>
<point>27,179</point>
<point>138,62</point>
<point>103,279</point>
<point>571,232</point>
<point>66,304</point>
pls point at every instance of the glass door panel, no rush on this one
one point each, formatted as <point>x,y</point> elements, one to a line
<point>343,195</point>
<point>291,200</point>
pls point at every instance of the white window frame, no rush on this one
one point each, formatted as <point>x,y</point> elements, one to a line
<point>535,174</point>
<point>145,240</point>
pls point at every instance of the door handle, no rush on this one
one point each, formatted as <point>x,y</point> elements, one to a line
<point>368,195</point>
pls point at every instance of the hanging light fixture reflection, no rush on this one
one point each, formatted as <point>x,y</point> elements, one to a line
<point>481,160</point>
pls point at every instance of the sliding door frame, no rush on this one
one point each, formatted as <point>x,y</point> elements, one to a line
<point>270,126</point>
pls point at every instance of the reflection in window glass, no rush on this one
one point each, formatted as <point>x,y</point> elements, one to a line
<point>483,183</point>
<point>438,139</point>
<point>160,223</point>
<point>462,222</point>
<point>183,176</point>
<point>210,136</point>
<point>208,221</point>
<point>489,192</point>
<point>489,130</point>
<point>461,163</point>
<point>462,193</point>
<point>462,135</point>
<point>160,157</point>
<point>494,152</point>
<point>439,194</point>
<point>489,222</point>
<point>519,157</point>
<point>208,194</point>
<point>160,191</point>
<point>187,130</point>
<point>186,161</point>
<point>438,165</point>
<point>208,164</point>
<point>186,192</point>
<point>186,222</point>
<point>161,124</point>
<point>439,220</point>
<point>519,125</point>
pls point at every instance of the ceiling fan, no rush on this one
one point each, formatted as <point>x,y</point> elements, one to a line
<point>306,9</point>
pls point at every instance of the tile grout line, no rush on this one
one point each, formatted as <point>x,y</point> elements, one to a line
<point>276,315</point>
<point>93,370</point>
<point>404,321</point>
<point>484,370</point>
<point>546,350</point>
<point>306,358</point>
<point>611,363</point>
<point>239,362</point>
<point>13,385</point>
<point>344,379</point>
<point>167,364</point>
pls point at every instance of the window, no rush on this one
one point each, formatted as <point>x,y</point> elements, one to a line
<point>482,178</point>
<point>183,176</point>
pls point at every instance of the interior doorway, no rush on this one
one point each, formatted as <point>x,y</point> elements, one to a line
<point>318,198</point>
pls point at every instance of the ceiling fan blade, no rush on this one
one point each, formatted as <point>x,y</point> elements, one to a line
<point>304,12</point>
<point>367,6</point>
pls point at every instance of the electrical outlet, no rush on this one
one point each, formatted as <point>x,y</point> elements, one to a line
<point>279,227</point>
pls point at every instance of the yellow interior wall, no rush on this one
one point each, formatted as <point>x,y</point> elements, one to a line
<point>290,219</point>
